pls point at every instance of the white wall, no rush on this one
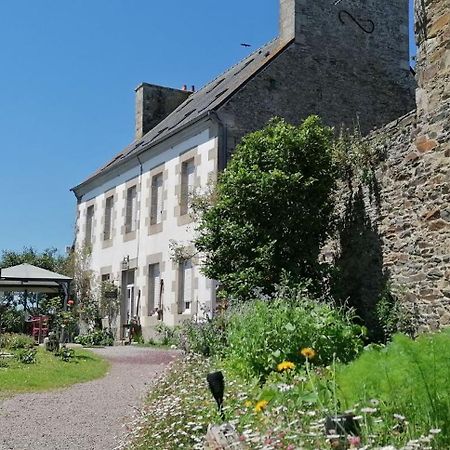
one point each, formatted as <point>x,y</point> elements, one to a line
<point>108,258</point>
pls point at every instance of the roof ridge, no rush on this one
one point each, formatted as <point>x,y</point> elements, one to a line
<point>201,102</point>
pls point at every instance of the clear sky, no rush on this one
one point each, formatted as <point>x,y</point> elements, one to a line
<point>67,79</point>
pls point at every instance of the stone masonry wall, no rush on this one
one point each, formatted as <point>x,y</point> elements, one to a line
<point>396,230</point>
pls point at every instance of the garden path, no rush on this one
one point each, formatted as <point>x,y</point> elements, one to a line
<point>87,416</point>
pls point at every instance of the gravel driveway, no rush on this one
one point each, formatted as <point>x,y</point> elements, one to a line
<point>85,416</point>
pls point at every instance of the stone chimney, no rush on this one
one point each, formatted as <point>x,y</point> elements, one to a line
<point>155,103</point>
<point>433,58</point>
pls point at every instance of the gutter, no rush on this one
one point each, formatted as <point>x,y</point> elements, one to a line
<point>138,232</point>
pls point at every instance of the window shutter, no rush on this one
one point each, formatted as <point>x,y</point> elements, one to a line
<point>181,275</point>
<point>187,295</point>
<point>89,224</point>
<point>159,199</point>
<point>130,209</point>
<point>156,285</point>
<point>187,184</point>
<point>108,218</point>
<point>156,199</point>
<point>153,287</point>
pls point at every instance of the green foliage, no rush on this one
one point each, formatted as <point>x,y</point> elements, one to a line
<point>52,344</point>
<point>394,317</point>
<point>3,363</point>
<point>355,157</point>
<point>166,335</point>
<point>272,209</point>
<point>109,303</point>
<point>49,259</point>
<point>408,378</point>
<point>16,341</point>
<point>262,334</point>
<point>11,318</point>
<point>98,337</point>
<point>26,355</point>
<point>178,410</point>
<point>290,415</point>
<point>206,336</point>
<point>65,353</point>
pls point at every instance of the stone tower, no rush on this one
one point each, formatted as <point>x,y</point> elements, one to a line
<point>369,35</point>
<point>433,57</point>
<point>367,41</point>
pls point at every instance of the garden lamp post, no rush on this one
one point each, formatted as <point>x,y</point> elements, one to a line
<point>216,385</point>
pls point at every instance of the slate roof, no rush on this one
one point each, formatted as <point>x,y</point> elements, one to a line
<point>200,103</point>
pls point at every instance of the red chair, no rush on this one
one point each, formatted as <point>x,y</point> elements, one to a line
<point>39,327</point>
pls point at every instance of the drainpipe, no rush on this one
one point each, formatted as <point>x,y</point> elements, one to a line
<point>222,140</point>
<point>138,232</point>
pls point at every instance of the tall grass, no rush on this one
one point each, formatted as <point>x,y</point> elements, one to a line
<point>408,378</point>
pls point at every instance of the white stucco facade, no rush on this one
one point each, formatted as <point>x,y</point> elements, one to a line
<point>135,253</point>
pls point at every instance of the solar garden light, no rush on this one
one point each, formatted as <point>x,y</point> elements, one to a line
<point>342,425</point>
<point>216,385</point>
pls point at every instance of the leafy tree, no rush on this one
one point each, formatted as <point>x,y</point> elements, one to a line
<point>11,315</point>
<point>49,259</point>
<point>271,210</point>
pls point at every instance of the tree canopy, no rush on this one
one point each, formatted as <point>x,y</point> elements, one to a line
<point>271,210</point>
<point>48,259</point>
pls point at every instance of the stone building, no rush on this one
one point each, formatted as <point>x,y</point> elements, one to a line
<point>344,61</point>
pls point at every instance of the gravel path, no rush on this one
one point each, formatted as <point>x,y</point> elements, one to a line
<point>87,416</point>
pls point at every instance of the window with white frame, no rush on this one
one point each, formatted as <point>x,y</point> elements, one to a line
<point>89,225</point>
<point>186,278</point>
<point>107,229</point>
<point>187,184</point>
<point>157,201</point>
<point>131,210</point>
<point>154,288</point>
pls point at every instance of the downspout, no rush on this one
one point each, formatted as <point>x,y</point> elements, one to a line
<point>222,143</point>
<point>138,231</point>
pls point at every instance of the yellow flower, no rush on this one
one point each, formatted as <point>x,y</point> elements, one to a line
<point>248,404</point>
<point>308,352</point>
<point>285,365</point>
<point>261,405</point>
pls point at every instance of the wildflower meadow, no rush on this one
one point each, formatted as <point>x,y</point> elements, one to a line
<point>300,393</point>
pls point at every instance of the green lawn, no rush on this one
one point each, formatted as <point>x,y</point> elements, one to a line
<point>50,372</point>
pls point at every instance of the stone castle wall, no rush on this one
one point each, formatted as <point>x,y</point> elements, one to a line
<point>396,229</point>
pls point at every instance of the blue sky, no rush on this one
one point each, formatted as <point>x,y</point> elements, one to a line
<point>67,79</point>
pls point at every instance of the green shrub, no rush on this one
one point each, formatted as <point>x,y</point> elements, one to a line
<point>52,344</point>
<point>394,316</point>
<point>166,335</point>
<point>15,341</point>
<point>4,364</point>
<point>99,337</point>
<point>262,334</point>
<point>66,354</point>
<point>409,378</point>
<point>12,319</point>
<point>26,355</point>
<point>205,336</point>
